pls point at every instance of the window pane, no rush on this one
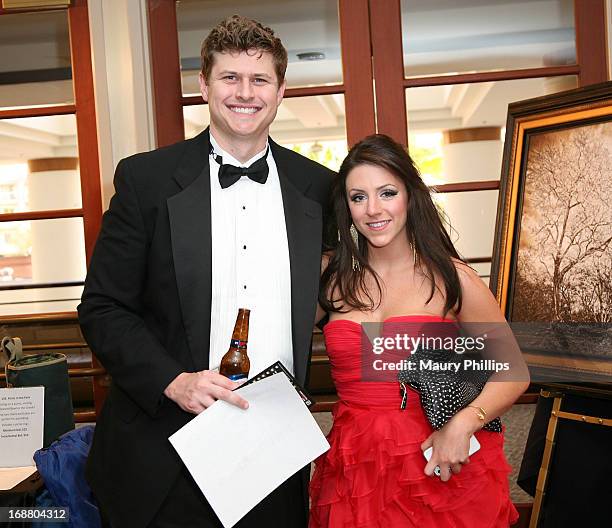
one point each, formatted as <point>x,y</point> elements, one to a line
<point>40,300</point>
<point>35,64</point>
<point>456,132</point>
<point>41,252</point>
<point>314,126</point>
<point>39,164</point>
<point>472,220</point>
<point>309,30</point>
<point>458,36</point>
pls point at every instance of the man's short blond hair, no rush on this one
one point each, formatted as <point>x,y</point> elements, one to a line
<point>240,34</point>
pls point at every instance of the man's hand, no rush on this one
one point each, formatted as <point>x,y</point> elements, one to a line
<point>195,391</point>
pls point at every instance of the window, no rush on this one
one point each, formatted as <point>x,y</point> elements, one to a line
<point>50,203</point>
<point>436,76</point>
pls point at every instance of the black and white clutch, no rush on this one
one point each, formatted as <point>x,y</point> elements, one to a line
<point>444,391</point>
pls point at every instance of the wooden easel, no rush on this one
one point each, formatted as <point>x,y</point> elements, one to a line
<point>556,414</point>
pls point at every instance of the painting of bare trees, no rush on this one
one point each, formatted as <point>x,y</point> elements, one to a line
<point>551,270</point>
<point>564,258</point>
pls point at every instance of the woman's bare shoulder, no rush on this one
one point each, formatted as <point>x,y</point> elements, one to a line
<point>478,303</point>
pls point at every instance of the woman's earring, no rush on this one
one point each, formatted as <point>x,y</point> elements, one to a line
<point>415,255</point>
<point>355,237</point>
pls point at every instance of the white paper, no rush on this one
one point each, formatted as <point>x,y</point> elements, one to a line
<point>238,457</point>
<point>10,477</point>
<point>21,425</point>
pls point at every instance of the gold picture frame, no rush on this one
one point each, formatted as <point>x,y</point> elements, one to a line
<point>542,255</point>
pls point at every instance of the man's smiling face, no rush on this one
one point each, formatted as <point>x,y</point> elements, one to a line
<point>243,95</point>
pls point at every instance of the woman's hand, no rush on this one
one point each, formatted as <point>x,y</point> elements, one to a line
<point>451,444</point>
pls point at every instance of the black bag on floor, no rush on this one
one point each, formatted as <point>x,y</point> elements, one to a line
<point>49,370</point>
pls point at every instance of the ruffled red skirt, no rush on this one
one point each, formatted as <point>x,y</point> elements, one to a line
<point>372,476</point>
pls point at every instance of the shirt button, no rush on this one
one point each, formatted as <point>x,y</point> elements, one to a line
<point>244,286</point>
<point>243,247</point>
<point>243,207</point>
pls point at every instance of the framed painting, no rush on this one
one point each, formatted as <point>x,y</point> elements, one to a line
<point>552,257</point>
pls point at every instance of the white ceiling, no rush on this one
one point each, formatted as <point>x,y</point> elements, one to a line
<point>37,137</point>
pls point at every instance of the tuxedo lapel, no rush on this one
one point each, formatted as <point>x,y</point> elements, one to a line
<point>303,220</point>
<point>190,229</point>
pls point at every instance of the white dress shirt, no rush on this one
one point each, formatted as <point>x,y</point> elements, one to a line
<point>250,265</point>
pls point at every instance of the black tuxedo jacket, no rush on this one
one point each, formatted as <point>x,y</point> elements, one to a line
<point>145,310</point>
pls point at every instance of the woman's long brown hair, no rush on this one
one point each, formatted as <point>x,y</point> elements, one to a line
<point>424,227</point>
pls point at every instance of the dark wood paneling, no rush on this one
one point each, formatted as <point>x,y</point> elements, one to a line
<point>26,262</point>
<point>190,100</point>
<point>85,416</point>
<point>462,135</point>
<point>38,318</point>
<point>89,164</point>
<point>166,72</point>
<point>53,164</point>
<point>437,80</point>
<point>41,215</point>
<point>478,260</point>
<point>4,11</point>
<point>58,335</point>
<point>38,111</point>
<point>486,185</point>
<point>357,69</point>
<point>591,46</point>
<point>324,403</point>
<point>386,24</point>
<point>314,90</point>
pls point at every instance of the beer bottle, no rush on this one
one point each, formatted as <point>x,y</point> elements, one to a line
<point>235,364</point>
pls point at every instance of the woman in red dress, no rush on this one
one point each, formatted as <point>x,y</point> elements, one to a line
<point>399,266</point>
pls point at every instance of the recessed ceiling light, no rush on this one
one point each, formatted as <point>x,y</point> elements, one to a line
<point>311,56</point>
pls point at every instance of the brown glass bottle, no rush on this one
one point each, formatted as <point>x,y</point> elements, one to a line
<point>235,364</point>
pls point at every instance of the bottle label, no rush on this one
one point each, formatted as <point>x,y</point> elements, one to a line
<point>236,343</point>
<point>237,377</point>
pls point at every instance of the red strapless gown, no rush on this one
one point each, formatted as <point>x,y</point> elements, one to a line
<point>372,476</point>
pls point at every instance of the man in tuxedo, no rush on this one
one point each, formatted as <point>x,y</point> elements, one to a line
<point>195,231</point>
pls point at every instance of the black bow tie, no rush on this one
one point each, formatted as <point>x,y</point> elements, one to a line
<point>230,174</point>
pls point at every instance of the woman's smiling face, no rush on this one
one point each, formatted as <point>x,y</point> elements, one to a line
<point>378,202</point>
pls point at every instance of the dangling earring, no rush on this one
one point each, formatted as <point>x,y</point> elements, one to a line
<point>355,237</point>
<point>415,255</point>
